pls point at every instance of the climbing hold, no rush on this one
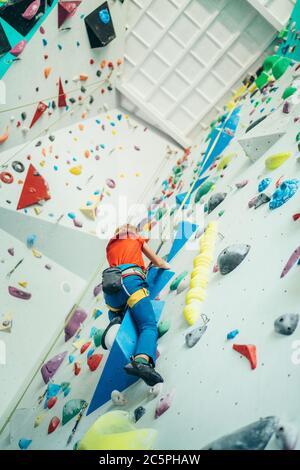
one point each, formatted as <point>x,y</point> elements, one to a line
<point>275,161</point>
<point>11,251</point>
<point>52,390</point>
<point>85,346</point>
<point>264,184</point>
<point>163,327</point>
<point>164,403</point>
<point>24,443</point>
<point>51,402</point>
<point>224,162</point>
<point>30,241</point>
<point>204,189</point>
<point>289,91</point>
<point>76,170</point>
<point>242,184</point>
<point>50,367</point>
<point>18,48</point>
<point>232,334</point>
<point>94,361</point>
<point>231,257</point>
<point>215,200</point>
<point>54,423</point>
<point>183,286</point>
<point>255,436</point>
<point>174,285</point>
<point>192,337</point>
<point>6,323</point>
<point>286,107</point>
<point>249,351</point>
<point>18,293</point>
<point>97,290</point>
<point>77,318</point>
<point>115,431</point>
<point>286,436</point>
<point>261,199</point>
<point>47,72</point>
<point>292,260</point>
<point>71,409</point>
<point>77,368</point>
<point>110,183</point>
<point>195,294</point>
<point>139,413</point>
<point>118,398</point>
<point>18,166</point>
<point>286,324</point>
<point>38,420</point>
<point>98,337</point>
<point>286,191</point>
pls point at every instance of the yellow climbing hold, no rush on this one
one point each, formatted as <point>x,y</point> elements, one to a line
<point>275,161</point>
<point>225,161</point>
<point>39,419</point>
<point>90,210</point>
<point>198,281</point>
<point>36,253</point>
<point>191,312</point>
<point>78,344</point>
<point>76,170</point>
<point>115,431</point>
<point>202,260</point>
<point>196,293</point>
<point>37,210</point>
<point>23,284</point>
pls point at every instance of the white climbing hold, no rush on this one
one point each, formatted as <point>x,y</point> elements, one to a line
<point>118,398</point>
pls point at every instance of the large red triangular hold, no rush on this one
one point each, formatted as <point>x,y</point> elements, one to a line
<point>35,189</point>
<point>41,108</point>
<point>249,351</point>
<point>62,103</point>
<point>66,9</point>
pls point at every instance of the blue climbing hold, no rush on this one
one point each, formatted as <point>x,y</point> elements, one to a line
<point>264,184</point>
<point>52,390</point>
<point>232,334</point>
<point>119,117</point>
<point>93,331</point>
<point>90,353</point>
<point>104,16</point>
<point>24,443</point>
<point>71,358</point>
<point>97,313</point>
<point>71,215</point>
<point>286,190</point>
<point>31,239</point>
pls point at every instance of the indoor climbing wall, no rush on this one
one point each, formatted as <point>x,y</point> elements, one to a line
<point>228,309</point>
<point>59,68</point>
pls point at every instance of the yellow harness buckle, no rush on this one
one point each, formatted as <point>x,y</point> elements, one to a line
<point>137,296</point>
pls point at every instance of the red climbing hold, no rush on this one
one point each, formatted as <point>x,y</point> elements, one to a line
<point>249,351</point>
<point>85,346</point>
<point>62,103</point>
<point>51,402</point>
<point>66,10</point>
<point>35,189</point>
<point>54,423</point>
<point>94,361</point>
<point>296,216</point>
<point>77,368</point>
<point>41,108</point>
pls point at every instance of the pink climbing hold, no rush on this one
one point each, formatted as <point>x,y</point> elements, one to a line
<point>249,351</point>
<point>292,260</point>
<point>164,404</point>
<point>31,10</point>
<point>216,268</point>
<point>18,48</point>
<point>242,184</point>
<point>111,183</point>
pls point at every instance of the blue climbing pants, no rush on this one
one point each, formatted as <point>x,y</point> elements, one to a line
<point>141,312</point>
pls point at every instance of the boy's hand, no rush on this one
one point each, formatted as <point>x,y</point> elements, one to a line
<point>164,265</point>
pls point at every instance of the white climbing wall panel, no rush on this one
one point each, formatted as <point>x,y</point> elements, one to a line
<point>183,56</point>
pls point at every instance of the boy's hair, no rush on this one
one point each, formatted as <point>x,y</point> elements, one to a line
<point>124,230</point>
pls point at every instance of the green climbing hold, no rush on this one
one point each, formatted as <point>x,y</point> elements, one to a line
<point>221,213</point>
<point>178,280</point>
<point>98,337</point>
<point>289,91</point>
<point>268,99</point>
<point>298,137</point>
<point>280,67</point>
<point>72,408</point>
<point>283,33</point>
<point>269,62</point>
<point>163,327</point>
<point>262,80</point>
<point>206,208</point>
<point>204,189</point>
<point>160,213</point>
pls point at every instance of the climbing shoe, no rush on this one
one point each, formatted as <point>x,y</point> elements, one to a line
<point>146,372</point>
<point>110,333</point>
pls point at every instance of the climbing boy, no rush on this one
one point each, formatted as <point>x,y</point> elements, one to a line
<point>124,284</point>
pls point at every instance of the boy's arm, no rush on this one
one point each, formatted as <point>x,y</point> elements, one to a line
<point>154,258</point>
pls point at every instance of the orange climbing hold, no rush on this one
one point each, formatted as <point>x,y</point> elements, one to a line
<point>47,72</point>
<point>83,77</point>
<point>249,351</point>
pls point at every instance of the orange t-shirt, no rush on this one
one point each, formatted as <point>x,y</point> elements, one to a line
<point>126,251</point>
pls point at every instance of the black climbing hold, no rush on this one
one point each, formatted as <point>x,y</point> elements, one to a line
<point>255,436</point>
<point>255,123</point>
<point>139,412</point>
<point>23,116</point>
<point>83,89</point>
<point>231,257</point>
<point>53,105</point>
<point>18,166</point>
<point>215,200</point>
<point>52,138</point>
<point>261,199</point>
<point>91,100</point>
<point>98,73</point>
<point>39,143</point>
<point>286,324</point>
<point>72,100</point>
